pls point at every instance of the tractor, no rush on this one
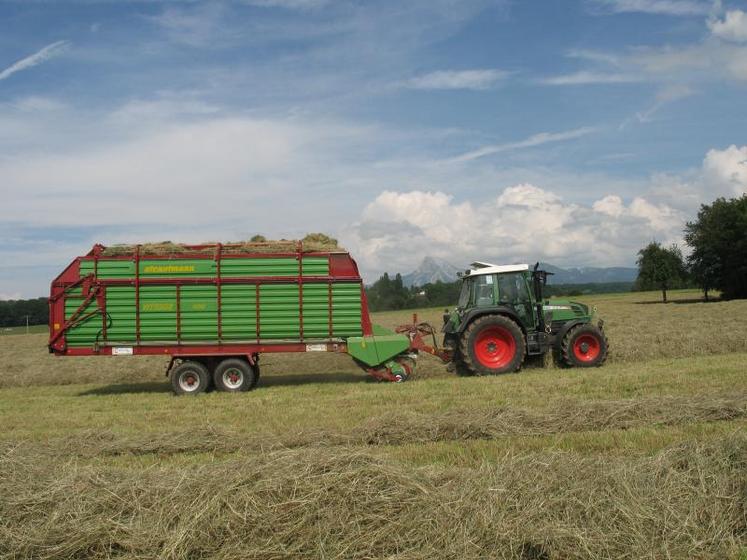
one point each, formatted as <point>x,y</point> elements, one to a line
<point>502,317</point>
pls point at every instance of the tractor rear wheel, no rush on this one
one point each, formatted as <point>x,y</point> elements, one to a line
<point>584,346</point>
<point>190,378</point>
<point>493,344</point>
<point>234,375</point>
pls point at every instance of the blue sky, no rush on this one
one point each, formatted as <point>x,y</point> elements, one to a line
<point>568,131</point>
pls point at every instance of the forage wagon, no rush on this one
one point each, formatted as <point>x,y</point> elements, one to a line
<point>214,309</point>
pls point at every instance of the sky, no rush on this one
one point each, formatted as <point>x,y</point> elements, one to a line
<point>573,132</point>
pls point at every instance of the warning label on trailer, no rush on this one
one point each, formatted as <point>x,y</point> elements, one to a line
<point>316,347</point>
<point>122,351</point>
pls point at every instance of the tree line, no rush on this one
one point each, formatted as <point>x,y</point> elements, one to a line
<point>718,260</point>
<point>390,294</point>
<point>13,313</point>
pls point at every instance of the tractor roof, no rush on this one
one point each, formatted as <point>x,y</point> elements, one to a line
<point>479,267</point>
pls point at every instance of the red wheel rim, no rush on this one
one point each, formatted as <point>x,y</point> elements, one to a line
<point>586,348</point>
<point>495,347</point>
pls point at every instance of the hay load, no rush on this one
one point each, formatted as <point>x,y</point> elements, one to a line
<point>257,244</point>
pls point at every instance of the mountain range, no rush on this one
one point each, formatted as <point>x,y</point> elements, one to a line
<point>433,269</point>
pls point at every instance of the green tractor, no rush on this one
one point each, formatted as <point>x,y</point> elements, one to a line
<point>502,317</point>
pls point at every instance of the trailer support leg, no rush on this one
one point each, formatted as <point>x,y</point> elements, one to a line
<point>171,364</point>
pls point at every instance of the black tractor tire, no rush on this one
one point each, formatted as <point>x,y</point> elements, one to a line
<point>458,367</point>
<point>190,378</point>
<point>493,344</point>
<point>584,346</point>
<point>234,375</point>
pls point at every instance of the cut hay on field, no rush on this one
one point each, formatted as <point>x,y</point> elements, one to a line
<point>311,243</point>
<point>565,417</point>
<point>686,501</point>
<point>418,428</point>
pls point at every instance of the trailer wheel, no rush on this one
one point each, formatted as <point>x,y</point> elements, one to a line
<point>234,375</point>
<point>584,346</point>
<point>189,378</point>
<point>493,344</point>
<point>256,376</point>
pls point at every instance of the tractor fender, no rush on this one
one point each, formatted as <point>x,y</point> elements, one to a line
<point>501,310</point>
<point>564,330</point>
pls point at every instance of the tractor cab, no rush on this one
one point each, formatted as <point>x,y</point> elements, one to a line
<point>487,285</point>
<point>506,304</point>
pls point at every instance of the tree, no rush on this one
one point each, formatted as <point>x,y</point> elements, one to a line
<point>719,242</point>
<point>387,294</point>
<point>13,313</point>
<point>660,268</point>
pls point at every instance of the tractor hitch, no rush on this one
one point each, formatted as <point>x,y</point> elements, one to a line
<point>418,332</point>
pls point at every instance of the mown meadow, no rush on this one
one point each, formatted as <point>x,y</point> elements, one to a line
<point>645,457</point>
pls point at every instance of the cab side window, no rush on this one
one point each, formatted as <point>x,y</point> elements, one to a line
<point>484,290</point>
<point>507,293</point>
<point>513,291</point>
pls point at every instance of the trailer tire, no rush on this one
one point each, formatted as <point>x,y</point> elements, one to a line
<point>256,376</point>
<point>190,378</point>
<point>493,344</point>
<point>234,375</point>
<point>584,346</point>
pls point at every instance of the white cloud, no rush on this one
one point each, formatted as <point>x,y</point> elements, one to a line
<point>34,103</point>
<point>732,28</point>
<point>478,79</point>
<point>664,96</point>
<point>38,57</point>
<point>585,77</point>
<point>594,56</point>
<point>726,170</point>
<point>719,56</point>
<point>612,205</point>
<point>10,296</point>
<point>665,7</point>
<point>196,26</point>
<point>534,140</point>
<point>698,62</point>
<point>288,4</point>
<point>519,224</point>
<point>525,222</point>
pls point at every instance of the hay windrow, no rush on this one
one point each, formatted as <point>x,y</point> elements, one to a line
<point>685,501</point>
<point>417,428</point>
<point>565,417</point>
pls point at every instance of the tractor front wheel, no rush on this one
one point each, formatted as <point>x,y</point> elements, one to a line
<point>493,344</point>
<point>584,346</point>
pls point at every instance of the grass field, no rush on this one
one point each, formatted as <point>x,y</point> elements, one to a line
<point>643,458</point>
<point>22,330</point>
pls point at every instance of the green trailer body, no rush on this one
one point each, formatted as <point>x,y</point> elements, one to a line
<point>196,306</point>
<point>217,300</point>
